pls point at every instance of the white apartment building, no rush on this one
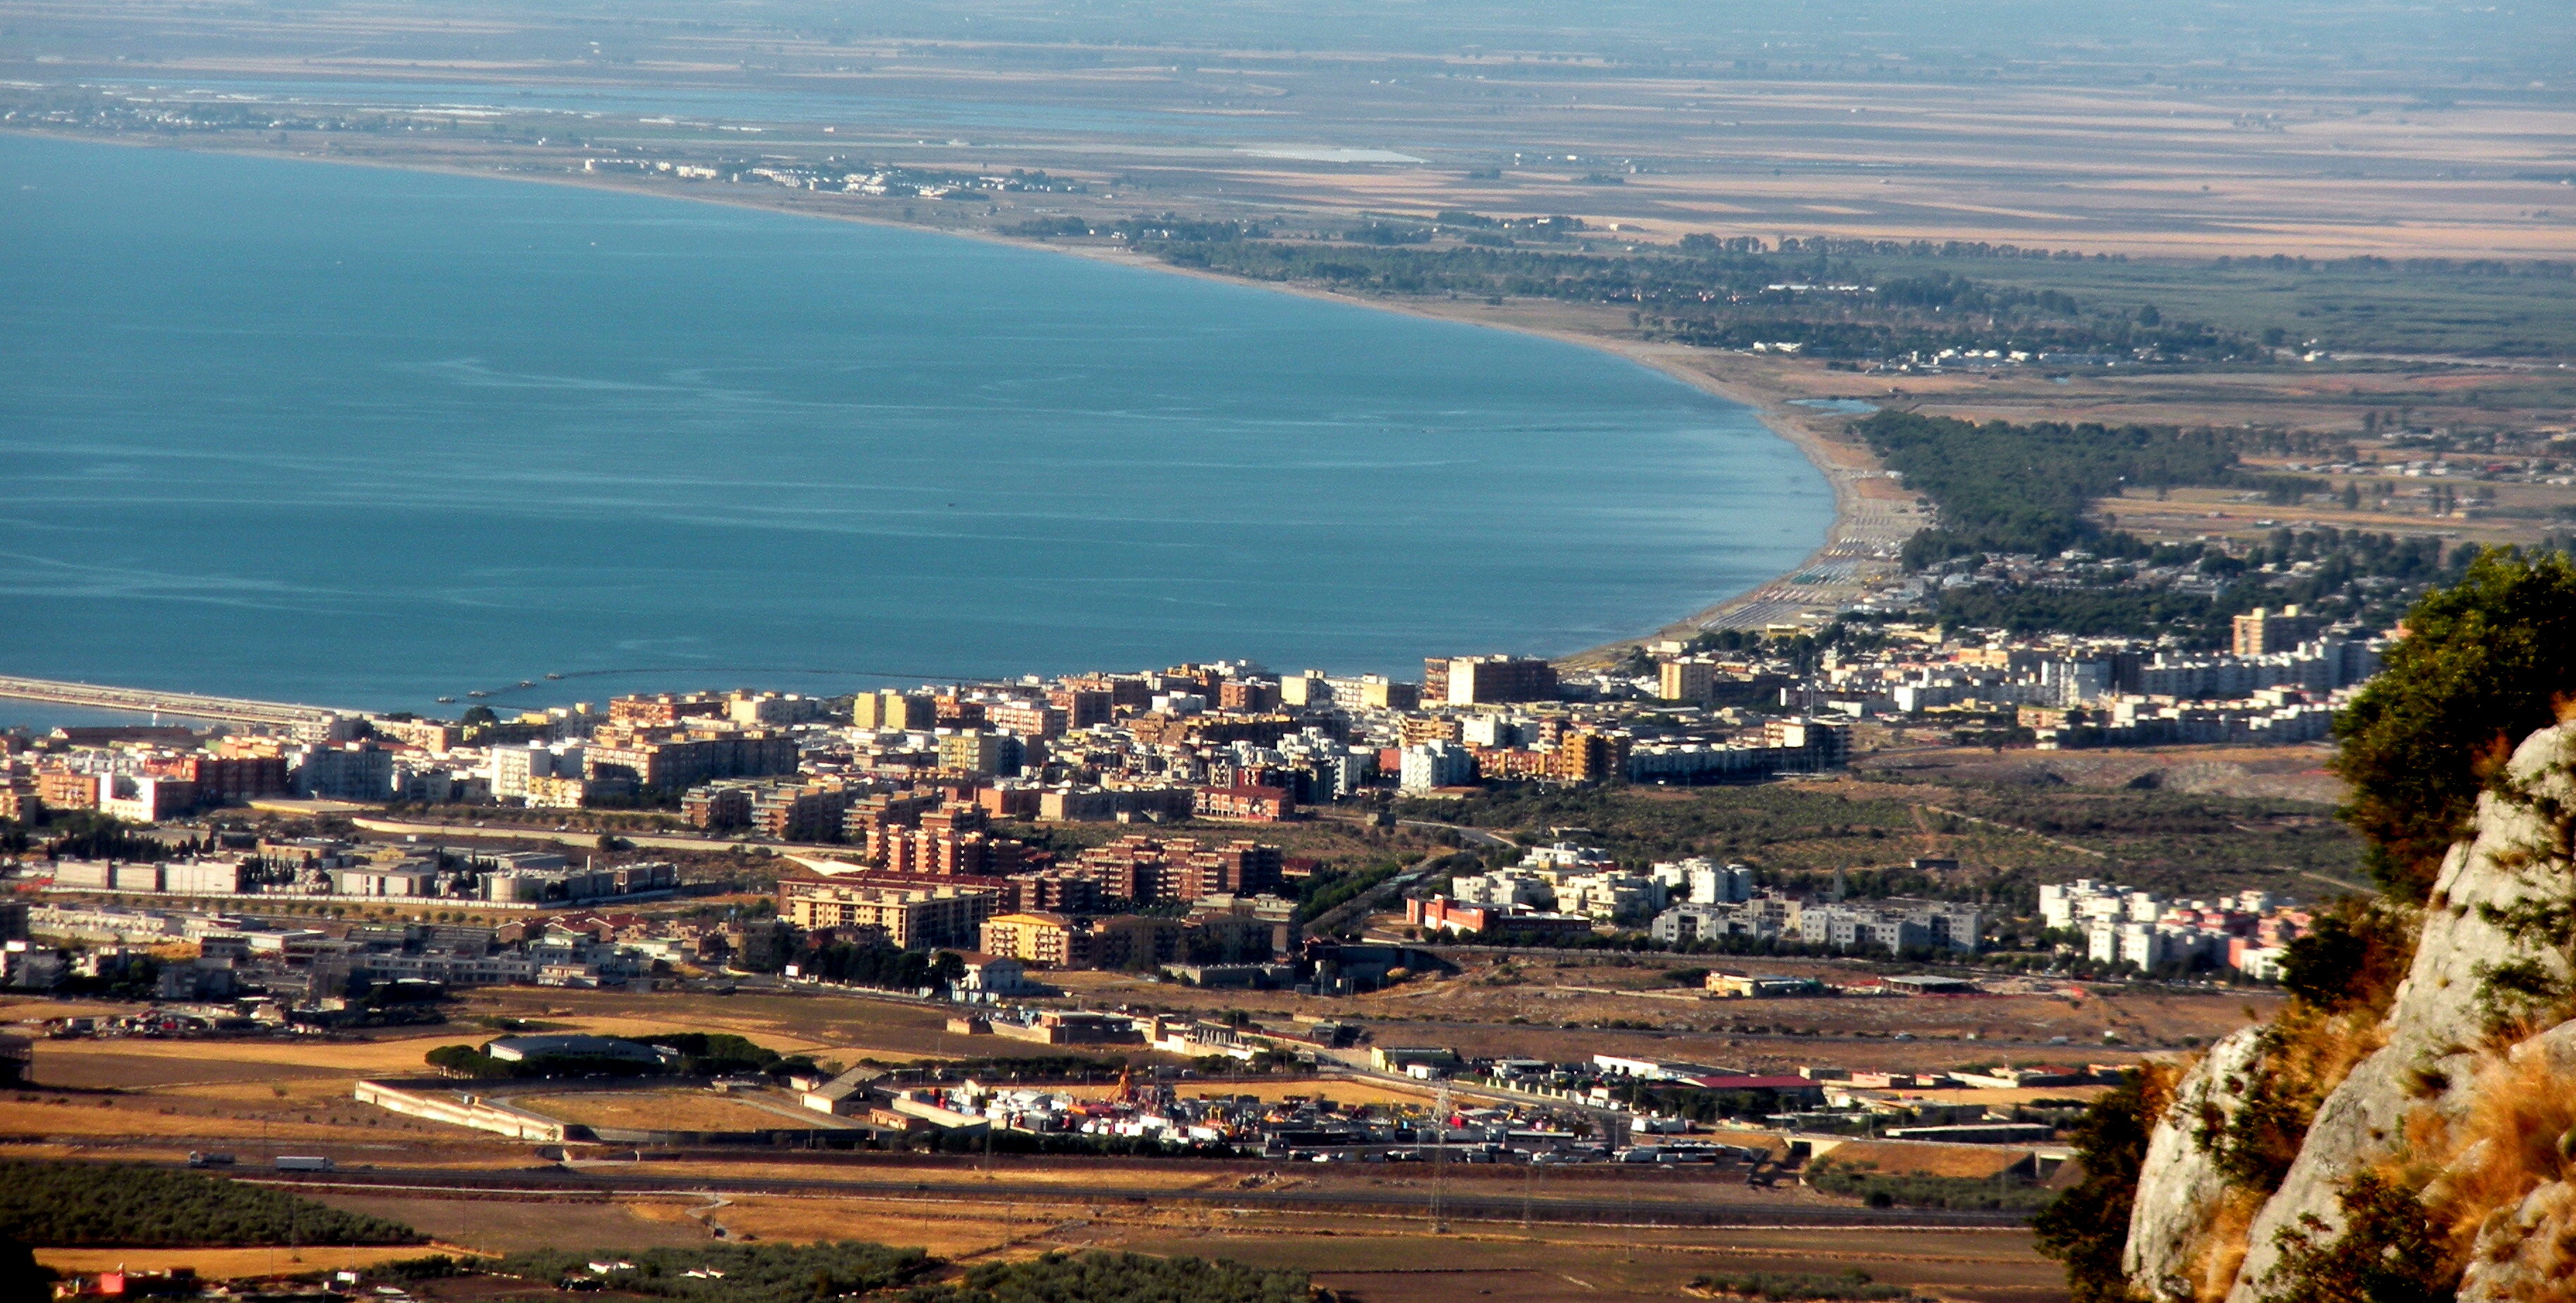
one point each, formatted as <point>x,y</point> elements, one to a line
<point>512,766</point>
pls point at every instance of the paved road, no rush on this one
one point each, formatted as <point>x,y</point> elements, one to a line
<point>578,837</point>
<point>1728,1204</point>
<point>1471,836</point>
<point>1365,903</point>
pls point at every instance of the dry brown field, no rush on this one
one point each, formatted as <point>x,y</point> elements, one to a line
<point>1521,1009</point>
<point>654,1110</point>
<point>516,1226</point>
<point>226,1264</point>
<point>2203,164</point>
<point>1379,1257</point>
<point>2293,773</point>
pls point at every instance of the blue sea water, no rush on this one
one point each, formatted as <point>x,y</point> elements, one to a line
<point>366,437</point>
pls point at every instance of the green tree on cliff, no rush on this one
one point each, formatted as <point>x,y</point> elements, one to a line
<point>2483,664</point>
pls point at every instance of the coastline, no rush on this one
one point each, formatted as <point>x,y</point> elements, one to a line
<point>1856,538</point>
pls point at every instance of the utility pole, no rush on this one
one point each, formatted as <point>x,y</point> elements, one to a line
<point>1440,1161</point>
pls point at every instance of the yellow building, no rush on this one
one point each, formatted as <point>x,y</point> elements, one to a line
<point>1687,679</point>
<point>970,753</point>
<point>1037,938</point>
<point>911,914</point>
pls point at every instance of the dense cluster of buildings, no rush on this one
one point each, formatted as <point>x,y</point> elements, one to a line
<point>2280,684</point>
<point>1564,891</point>
<point>1302,1129</point>
<point>279,972</point>
<point>2248,932</point>
<point>1226,741</point>
<point>320,868</point>
<point>1609,1108</point>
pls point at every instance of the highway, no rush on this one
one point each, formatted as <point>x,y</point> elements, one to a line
<point>588,837</point>
<point>186,705</point>
<point>1480,1192</point>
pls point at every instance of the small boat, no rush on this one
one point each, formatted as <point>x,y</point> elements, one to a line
<point>447,701</point>
<point>554,676</point>
<point>527,683</point>
<point>478,692</point>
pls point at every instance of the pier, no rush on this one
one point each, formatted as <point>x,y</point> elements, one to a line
<point>309,723</point>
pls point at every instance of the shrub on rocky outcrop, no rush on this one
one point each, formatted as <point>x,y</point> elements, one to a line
<point>2387,1251</point>
<point>2406,1128</point>
<point>2484,663</point>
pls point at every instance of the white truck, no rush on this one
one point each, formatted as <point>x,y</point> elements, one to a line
<point>293,1163</point>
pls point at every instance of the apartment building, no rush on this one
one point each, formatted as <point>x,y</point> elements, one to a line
<point>2263,631</point>
<point>804,813</point>
<point>223,780</point>
<point>682,763</point>
<point>976,752</point>
<point>347,771</point>
<point>1249,803</point>
<point>666,710</point>
<point>1028,719</point>
<point>1145,869</point>
<point>1686,679</point>
<point>912,913</point>
<point>1484,680</point>
<point>513,767</point>
<point>62,789</point>
<point>892,710</point>
<point>1036,937</point>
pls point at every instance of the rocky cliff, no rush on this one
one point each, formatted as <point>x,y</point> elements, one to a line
<point>2465,1104</point>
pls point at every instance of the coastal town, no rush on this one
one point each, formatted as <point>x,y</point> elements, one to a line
<point>1258,653</point>
<point>1185,874</point>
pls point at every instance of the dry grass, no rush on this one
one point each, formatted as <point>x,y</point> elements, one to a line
<point>227,1264</point>
<point>86,1118</point>
<point>1979,1162</point>
<point>513,1226</point>
<point>2513,1141</point>
<point>948,1233</point>
<point>673,1110</point>
<point>2222,1243</point>
<point>174,1060</point>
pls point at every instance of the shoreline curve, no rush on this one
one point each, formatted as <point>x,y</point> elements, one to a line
<point>1847,534</point>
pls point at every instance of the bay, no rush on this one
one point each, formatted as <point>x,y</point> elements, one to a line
<point>368,437</point>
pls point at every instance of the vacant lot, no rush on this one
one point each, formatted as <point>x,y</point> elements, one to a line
<point>1543,1006</point>
<point>651,1110</point>
<point>2009,831</point>
<point>516,1226</point>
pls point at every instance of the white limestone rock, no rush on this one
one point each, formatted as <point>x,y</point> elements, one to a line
<point>2435,1020</point>
<point>2179,1185</point>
